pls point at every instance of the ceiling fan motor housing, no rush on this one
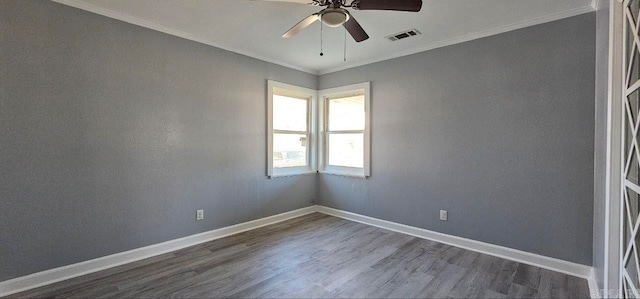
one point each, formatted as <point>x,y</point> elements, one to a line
<point>334,17</point>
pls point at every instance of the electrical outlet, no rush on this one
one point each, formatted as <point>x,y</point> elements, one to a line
<point>443,215</point>
<point>199,214</point>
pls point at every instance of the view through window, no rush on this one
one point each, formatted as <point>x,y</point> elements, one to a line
<point>290,131</point>
<point>345,131</point>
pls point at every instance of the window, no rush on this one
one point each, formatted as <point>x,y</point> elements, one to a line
<point>336,140</point>
<point>290,140</point>
<point>345,136</point>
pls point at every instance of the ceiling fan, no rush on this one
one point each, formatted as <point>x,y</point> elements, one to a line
<point>335,14</point>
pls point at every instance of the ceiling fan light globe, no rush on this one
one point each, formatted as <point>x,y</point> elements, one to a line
<point>334,18</point>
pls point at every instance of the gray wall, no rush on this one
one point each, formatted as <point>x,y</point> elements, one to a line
<point>112,135</point>
<point>498,131</point>
<point>602,78</point>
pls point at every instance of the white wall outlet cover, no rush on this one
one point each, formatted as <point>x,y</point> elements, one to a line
<point>443,215</point>
<point>199,214</point>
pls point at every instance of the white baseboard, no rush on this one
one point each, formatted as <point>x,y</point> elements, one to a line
<point>39,279</point>
<point>594,290</point>
<point>541,261</point>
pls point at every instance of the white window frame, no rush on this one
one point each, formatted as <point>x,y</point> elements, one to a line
<point>344,91</point>
<point>278,88</point>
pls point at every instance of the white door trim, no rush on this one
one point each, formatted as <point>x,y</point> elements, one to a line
<point>614,154</point>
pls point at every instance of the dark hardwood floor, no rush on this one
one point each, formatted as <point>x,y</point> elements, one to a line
<point>320,256</point>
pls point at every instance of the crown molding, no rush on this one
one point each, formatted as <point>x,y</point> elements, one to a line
<point>164,29</point>
<point>439,44</point>
<point>466,38</point>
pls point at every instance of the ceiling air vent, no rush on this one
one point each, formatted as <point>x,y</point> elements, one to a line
<point>402,35</point>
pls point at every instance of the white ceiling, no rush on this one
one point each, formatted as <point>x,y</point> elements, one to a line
<point>254,28</point>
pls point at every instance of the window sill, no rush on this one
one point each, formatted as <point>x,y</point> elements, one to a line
<point>348,175</point>
<point>286,175</point>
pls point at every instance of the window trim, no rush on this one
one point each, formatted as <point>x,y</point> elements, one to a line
<point>279,88</point>
<point>344,91</point>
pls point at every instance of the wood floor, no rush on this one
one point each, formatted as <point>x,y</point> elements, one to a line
<point>320,256</point>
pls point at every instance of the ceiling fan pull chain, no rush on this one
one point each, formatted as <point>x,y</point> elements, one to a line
<point>321,53</point>
<point>345,45</point>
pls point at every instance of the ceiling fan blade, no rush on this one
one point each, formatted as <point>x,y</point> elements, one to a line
<point>302,25</point>
<point>398,5</point>
<point>355,29</point>
<point>291,1</point>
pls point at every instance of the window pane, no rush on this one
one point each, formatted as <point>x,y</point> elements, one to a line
<point>289,114</point>
<point>346,150</point>
<point>346,113</point>
<point>289,150</point>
